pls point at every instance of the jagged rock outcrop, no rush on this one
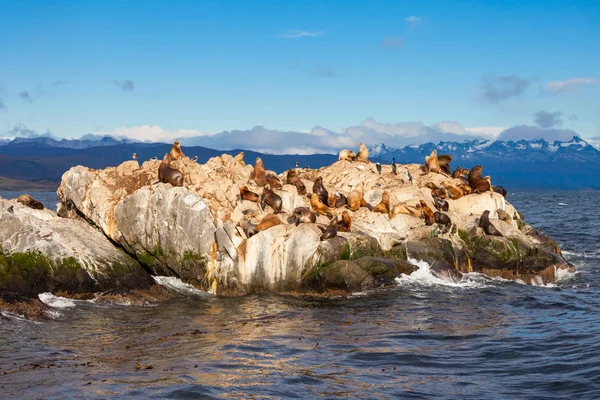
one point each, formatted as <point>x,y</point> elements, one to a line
<point>194,232</point>
<point>40,252</point>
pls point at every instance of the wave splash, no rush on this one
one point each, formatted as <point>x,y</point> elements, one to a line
<point>424,277</point>
<point>179,286</point>
<point>56,301</point>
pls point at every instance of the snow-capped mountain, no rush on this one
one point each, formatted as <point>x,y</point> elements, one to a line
<point>84,142</point>
<point>478,150</point>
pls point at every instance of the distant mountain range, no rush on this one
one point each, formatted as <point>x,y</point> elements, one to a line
<point>515,164</point>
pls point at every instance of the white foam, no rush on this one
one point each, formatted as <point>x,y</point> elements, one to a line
<point>53,314</point>
<point>424,277</point>
<point>562,204</point>
<point>179,286</point>
<point>56,301</point>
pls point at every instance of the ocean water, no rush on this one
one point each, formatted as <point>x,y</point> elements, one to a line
<point>424,338</point>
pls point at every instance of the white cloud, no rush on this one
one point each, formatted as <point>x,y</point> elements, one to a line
<point>594,141</point>
<point>414,20</point>
<point>568,84</point>
<point>154,133</point>
<point>294,34</point>
<point>488,132</point>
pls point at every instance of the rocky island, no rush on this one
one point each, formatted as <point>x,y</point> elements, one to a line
<point>231,228</point>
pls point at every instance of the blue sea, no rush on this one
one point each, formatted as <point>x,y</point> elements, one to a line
<point>423,339</point>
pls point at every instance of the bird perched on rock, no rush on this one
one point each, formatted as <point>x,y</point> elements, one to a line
<point>134,156</point>
<point>378,166</point>
<point>153,158</point>
<point>195,158</point>
<point>408,175</point>
<point>297,164</point>
<point>394,166</point>
<point>11,209</point>
<point>307,166</point>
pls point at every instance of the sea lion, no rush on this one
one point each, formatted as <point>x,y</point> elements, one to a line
<point>267,222</point>
<point>318,205</point>
<point>428,214</point>
<point>336,200</point>
<point>346,155</point>
<point>384,205</point>
<point>454,192</point>
<point>293,179</point>
<point>363,153</point>
<point>303,215</point>
<point>30,202</point>
<point>345,225</point>
<point>320,190</point>
<point>363,203</point>
<point>500,190</point>
<point>405,209</point>
<point>477,183</point>
<point>248,227</point>
<point>271,198</point>
<point>457,173</point>
<point>486,224</point>
<point>439,192</point>
<point>273,181</point>
<point>176,152</point>
<point>246,194</point>
<point>504,216</point>
<point>166,174</point>
<point>258,173</point>
<point>443,221</point>
<point>444,162</point>
<point>440,204</point>
<point>331,230</point>
<point>466,189</point>
<point>240,158</point>
<point>431,162</point>
<point>355,197</point>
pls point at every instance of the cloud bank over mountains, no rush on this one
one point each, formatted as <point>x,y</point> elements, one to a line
<point>322,140</point>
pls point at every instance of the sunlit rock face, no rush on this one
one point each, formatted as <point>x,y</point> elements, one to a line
<point>196,232</point>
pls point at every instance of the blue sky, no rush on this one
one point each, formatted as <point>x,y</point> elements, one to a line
<point>74,67</point>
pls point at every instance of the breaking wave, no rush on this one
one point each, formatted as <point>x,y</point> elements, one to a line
<point>179,286</point>
<point>56,301</point>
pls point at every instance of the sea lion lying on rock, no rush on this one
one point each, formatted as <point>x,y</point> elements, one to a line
<point>355,197</point>
<point>271,198</point>
<point>166,174</point>
<point>443,221</point>
<point>346,155</point>
<point>246,194</point>
<point>30,202</point>
<point>303,215</point>
<point>441,205</point>
<point>346,223</point>
<point>318,206</point>
<point>504,216</point>
<point>384,205</point>
<point>267,222</point>
<point>293,179</point>
<point>500,190</point>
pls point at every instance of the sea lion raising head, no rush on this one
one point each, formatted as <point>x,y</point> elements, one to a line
<point>318,205</point>
<point>176,152</point>
<point>363,153</point>
<point>293,179</point>
<point>320,190</point>
<point>444,162</point>
<point>258,173</point>
<point>477,183</point>
<point>428,214</point>
<point>346,223</point>
<point>240,158</point>
<point>246,194</point>
<point>504,216</point>
<point>355,197</point>
<point>331,230</point>
<point>166,174</point>
<point>271,198</point>
<point>431,162</point>
<point>486,224</point>
<point>384,205</point>
<point>30,202</point>
<point>346,155</point>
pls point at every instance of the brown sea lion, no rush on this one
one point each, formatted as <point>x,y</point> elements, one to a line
<point>331,230</point>
<point>248,227</point>
<point>428,214</point>
<point>271,198</point>
<point>355,197</point>
<point>267,222</point>
<point>439,192</point>
<point>176,152</point>
<point>486,224</point>
<point>477,183</point>
<point>273,181</point>
<point>405,209</point>
<point>504,216</point>
<point>443,221</point>
<point>246,194</point>
<point>341,200</point>
<point>320,190</point>
<point>384,205</point>
<point>489,180</point>
<point>500,190</point>
<point>440,204</point>
<point>293,179</point>
<point>466,189</point>
<point>431,185</point>
<point>258,173</point>
<point>363,203</point>
<point>431,161</point>
<point>346,155</point>
<point>457,173</point>
<point>30,202</point>
<point>240,158</point>
<point>318,205</point>
<point>345,225</point>
<point>454,192</point>
<point>166,174</point>
<point>363,153</point>
<point>303,215</point>
<point>444,162</point>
